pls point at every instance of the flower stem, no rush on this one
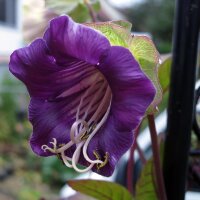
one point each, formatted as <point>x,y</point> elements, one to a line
<point>130,166</point>
<point>130,169</point>
<point>141,154</point>
<point>91,10</point>
<point>156,159</point>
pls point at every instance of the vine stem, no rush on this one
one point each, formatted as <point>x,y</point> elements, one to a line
<point>156,159</point>
<point>141,154</point>
<point>91,10</point>
<point>130,166</point>
<point>130,169</point>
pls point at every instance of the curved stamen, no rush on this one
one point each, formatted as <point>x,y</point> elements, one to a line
<point>84,95</point>
<point>106,157</point>
<point>74,129</point>
<point>82,132</point>
<point>92,135</point>
<point>65,159</point>
<point>86,100</point>
<point>75,160</point>
<point>54,149</point>
<point>92,101</point>
<point>65,147</point>
<point>99,109</point>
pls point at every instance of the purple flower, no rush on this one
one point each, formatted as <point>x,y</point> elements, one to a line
<point>87,97</point>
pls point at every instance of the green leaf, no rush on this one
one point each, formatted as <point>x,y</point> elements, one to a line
<point>96,5</point>
<point>62,6</point>
<point>80,196</point>
<point>76,9</point>
<point>116,34</point>
<point>145,188</point>
<point>146,54</point>
<point>164,74</point>
<point>79,13</point>
<point>125,24</point>
<point>101,190</point>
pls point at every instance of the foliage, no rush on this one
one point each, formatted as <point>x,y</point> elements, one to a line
<point>145,188</point>
<point>15,131</point>
<point>7,111</point>
<point>77,9</point>
<point>28,193</point>
<point>145,52</point>
<point>54,172</point>
<point>101,190</point>
<point>164,74</point>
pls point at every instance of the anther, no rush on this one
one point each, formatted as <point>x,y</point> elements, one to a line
<point>84,129</point>
<point>84,136</point>
<point>106,158</point>
<point>74,130</point>
<point>97,156</point>
<point>61,145</point>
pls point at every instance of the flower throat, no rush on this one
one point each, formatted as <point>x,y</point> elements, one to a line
<point>90,115</point>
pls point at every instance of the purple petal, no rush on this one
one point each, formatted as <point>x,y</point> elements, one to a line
<point>132,93</point>
<point>33,65</point>
<point>49,120</point>
<point>44,78</point>
<point>67,38</point>
<point>53,117</point>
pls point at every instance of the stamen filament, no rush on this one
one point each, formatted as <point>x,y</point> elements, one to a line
<point>85,94</point>
<point>54,149</point>
<point>99,109</point>
<point>74,129</point>
<point>93,100</point>
<point>66,159</point>
<point>75,160</point>
<point>92,135</point>
<point>106,157</point>
<point>83,131</point>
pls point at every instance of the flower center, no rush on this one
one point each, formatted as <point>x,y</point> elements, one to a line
<point>90,115</point>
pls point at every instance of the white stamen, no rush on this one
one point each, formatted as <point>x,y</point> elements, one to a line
<point>92,135</point>
<point>82,131</point>
<point>85,94</point>
<point>74,129</point>
<point>102,104</point>
<point>95,97</point>
<point>66,159</point>
<point>93,100</point>
<point>75,160</point>
<point>54,150</point>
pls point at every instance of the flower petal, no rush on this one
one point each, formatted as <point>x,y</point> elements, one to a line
<point>50,120</point>
<point>33,65</point>
<point>44,78</point>
<point>53,117</point>
<point>132,93</point>
<point>65,37</point>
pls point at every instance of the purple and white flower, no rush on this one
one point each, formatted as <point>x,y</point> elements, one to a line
<point>87,97</point>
